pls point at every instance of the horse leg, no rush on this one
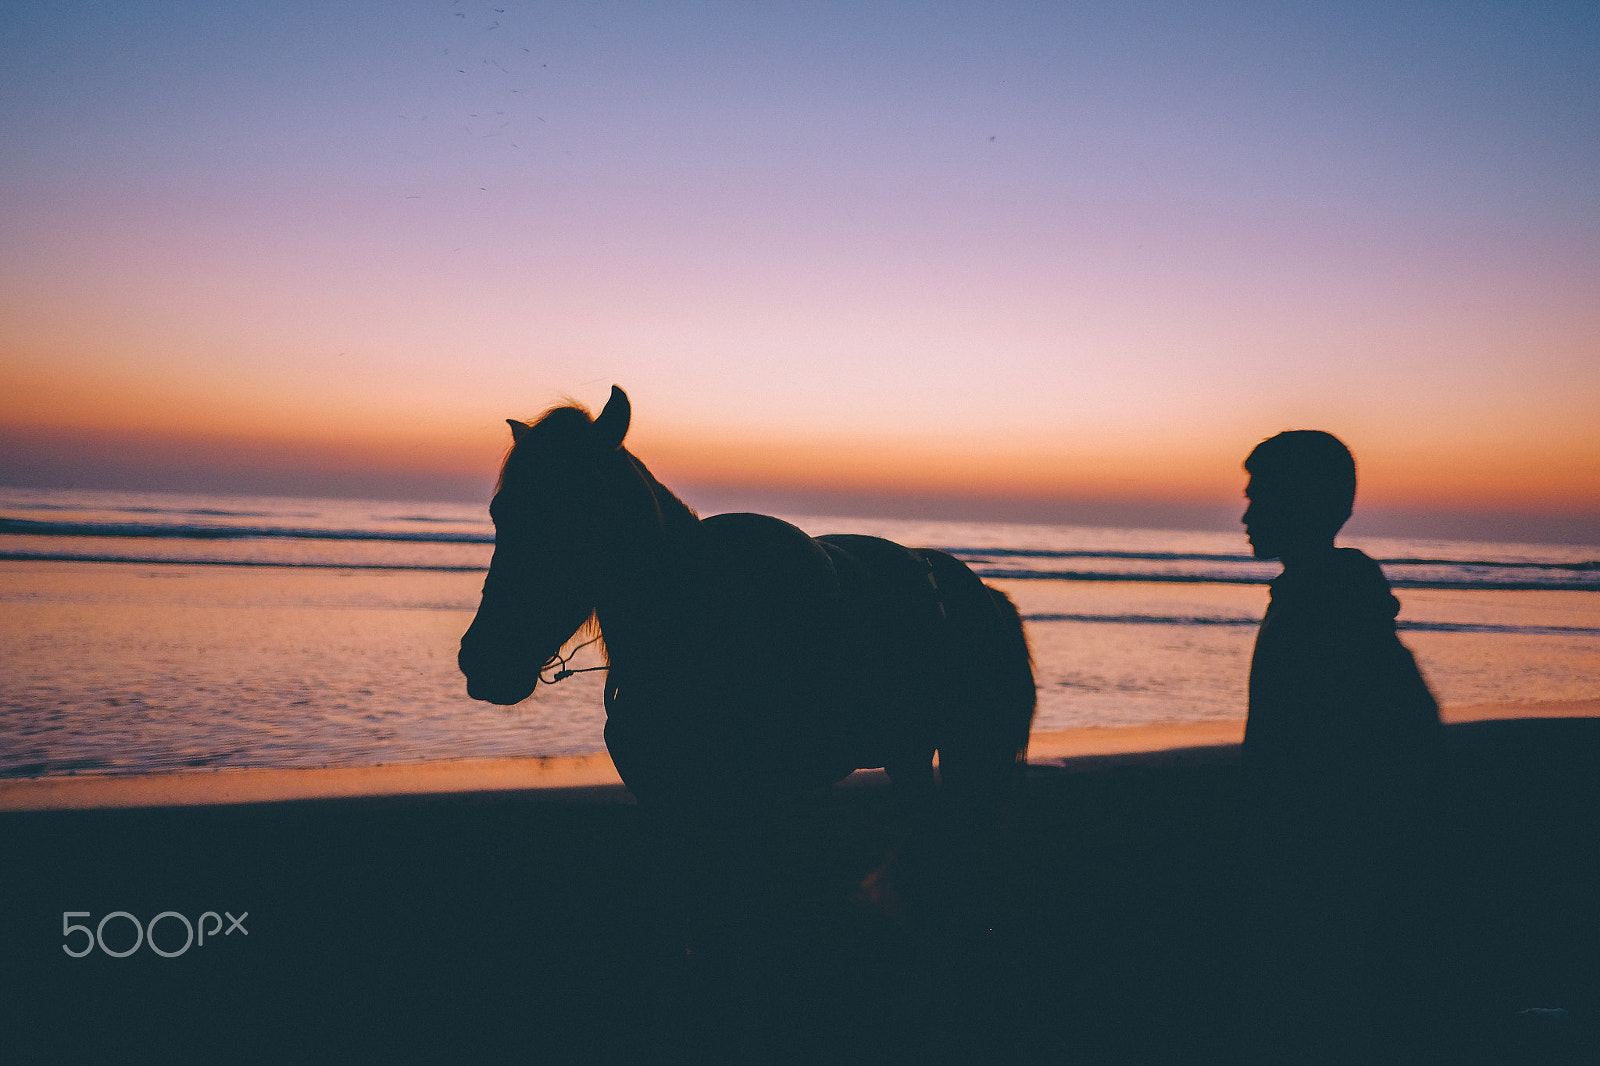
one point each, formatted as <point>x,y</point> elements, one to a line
<point>712,895</point>
<point>913,795</point>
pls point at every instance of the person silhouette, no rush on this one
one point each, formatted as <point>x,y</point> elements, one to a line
<point>1341,758</point>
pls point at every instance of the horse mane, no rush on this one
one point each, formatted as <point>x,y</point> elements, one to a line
<point>556,424</point>
<point>675,514</point>
<point>558,427</point>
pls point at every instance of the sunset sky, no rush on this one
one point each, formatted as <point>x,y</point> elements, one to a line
<point>1062,261</point>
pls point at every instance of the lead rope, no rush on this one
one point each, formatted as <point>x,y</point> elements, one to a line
<point>562,673</point>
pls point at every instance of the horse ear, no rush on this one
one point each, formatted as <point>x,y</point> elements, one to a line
<point>612,425</point>
<point>518,429</point>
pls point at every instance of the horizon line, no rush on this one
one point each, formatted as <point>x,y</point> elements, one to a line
<point>1179,513</point>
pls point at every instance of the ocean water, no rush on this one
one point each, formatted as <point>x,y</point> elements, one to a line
<point>143,632</point>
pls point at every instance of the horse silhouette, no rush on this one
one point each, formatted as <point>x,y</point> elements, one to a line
<point>745,659</point>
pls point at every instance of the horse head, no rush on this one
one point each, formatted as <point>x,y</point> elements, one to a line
<point>554,511</point>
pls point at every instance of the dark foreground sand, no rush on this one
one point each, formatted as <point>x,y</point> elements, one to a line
<point>531,926</point>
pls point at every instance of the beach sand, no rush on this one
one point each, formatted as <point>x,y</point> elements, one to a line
<point>568,777</point>
<point>491,911</point>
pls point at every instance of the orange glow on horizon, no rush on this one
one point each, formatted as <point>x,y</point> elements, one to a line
<point>1463,465</point>
<point>1202,467</point>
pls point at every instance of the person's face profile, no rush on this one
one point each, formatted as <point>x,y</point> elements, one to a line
<point>1286,516</point>
<point>1268,518</point>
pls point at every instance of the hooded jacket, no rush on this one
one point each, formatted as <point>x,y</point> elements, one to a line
<point>1342,728</point>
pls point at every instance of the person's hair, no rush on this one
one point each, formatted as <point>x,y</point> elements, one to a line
<point>1313,463</point>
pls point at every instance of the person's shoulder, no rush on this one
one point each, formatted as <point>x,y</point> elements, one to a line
<point>1345,582</point>
<point>1355,564</point>
<point>1362,584</point>
<point>1342,568</point>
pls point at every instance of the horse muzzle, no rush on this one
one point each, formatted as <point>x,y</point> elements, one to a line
<point>502,695</point>
<point>492,683</point>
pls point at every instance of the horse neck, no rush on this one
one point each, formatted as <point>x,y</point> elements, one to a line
<point>646,518</point>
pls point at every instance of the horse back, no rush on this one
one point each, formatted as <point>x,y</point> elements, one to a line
<point>790,660</point>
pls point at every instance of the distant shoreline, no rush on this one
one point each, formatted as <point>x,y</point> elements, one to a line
<point>594,776</point>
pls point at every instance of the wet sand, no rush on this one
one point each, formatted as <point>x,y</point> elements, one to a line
<point>558,775</point>
<point>595,773</point>
<point>479,917</point>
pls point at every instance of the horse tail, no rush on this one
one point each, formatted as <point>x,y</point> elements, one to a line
<point>1017,695</point>
<point>990,698</point>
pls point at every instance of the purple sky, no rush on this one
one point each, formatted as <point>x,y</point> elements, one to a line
<point>1039,253</point>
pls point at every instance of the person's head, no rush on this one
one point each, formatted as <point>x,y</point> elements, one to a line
<point>1301,489</point>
